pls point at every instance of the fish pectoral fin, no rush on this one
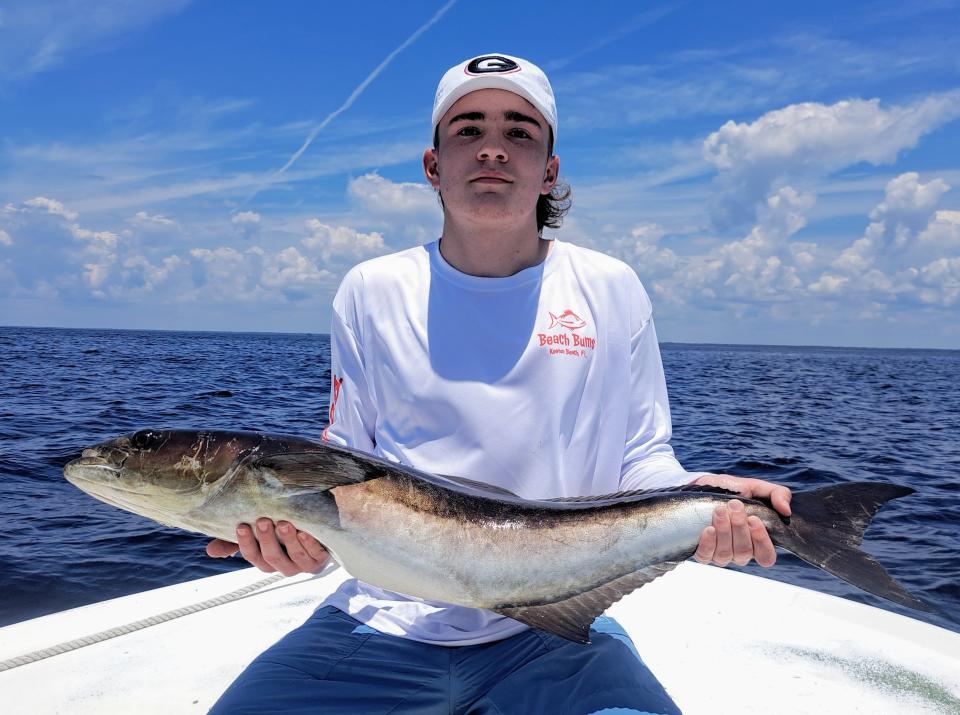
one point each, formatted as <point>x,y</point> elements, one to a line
<point>572,617</point>
<point>321,470</point>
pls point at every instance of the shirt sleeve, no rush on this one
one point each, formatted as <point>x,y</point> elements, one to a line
<point>352,414</point>
<point>648,458</point>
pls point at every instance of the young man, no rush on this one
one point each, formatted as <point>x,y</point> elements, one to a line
<point>499,356</point>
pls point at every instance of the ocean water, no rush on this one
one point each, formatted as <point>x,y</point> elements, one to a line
<point>806,417</point>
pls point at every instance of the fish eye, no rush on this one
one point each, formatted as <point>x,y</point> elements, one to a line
<point>147,439</point>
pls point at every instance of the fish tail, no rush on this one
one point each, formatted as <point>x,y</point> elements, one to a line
<point>553,321</point>
<point>826,529</point>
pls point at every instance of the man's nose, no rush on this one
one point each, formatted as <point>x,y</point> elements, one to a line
<point>492,150</point>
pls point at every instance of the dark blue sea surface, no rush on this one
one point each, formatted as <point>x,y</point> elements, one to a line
<point>806,417</point>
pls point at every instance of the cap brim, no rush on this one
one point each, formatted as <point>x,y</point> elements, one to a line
<point>489,82</point>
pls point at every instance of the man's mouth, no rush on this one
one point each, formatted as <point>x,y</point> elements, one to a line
<point>491,179</point>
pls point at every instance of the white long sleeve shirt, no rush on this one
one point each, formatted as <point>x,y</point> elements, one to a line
<point>547,383</point>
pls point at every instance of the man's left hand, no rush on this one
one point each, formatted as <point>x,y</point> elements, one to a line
<point>733,536</point>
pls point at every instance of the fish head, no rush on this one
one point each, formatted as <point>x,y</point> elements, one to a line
<point>161,474</point>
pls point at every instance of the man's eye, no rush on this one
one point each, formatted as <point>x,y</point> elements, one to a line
<point>468,132</point>
<point>519,133</point>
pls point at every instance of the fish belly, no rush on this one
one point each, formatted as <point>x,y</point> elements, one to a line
<point>489,562</point>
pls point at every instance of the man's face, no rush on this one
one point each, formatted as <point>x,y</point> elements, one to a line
<point>491,163</point>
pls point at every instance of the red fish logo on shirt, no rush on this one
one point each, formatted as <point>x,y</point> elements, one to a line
<point>568,319</point>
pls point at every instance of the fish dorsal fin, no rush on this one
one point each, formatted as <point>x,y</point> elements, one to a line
<point>571,618</point>
<point>330,466</point>
<point>321,470</point>
<point>474,485</point>
<point>634,494</point>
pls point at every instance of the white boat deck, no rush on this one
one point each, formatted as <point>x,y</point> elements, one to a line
<point>720,641</point>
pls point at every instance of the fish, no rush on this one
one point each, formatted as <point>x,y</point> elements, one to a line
<point>567,319</point>
<point>553,564</point>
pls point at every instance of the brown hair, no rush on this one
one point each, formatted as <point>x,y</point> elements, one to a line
<point>552,207</point>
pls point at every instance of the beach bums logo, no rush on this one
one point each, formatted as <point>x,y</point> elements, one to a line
<point>562,336</point>
<point>491,63</point>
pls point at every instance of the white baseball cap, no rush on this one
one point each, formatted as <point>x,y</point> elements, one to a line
<point>496,72</point>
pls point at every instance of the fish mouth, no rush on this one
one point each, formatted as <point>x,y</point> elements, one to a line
<point>89,472</point>
<point>84,468</point>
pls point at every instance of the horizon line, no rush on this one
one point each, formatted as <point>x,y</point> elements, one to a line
<point>276,332</point>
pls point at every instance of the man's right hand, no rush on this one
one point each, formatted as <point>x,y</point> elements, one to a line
<point>294,552</point>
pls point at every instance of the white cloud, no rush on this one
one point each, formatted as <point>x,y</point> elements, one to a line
<point>102,239</point>
<point>144,220</point>
<point>61,257</point>
<point>50,206</point>
<point>101,254</point>
<point>811,140</point>
<point>826,137</point>
<point>341,244</point>
<point>223,274</point>
<point>56,252</point>
<point>829,284</point>
<point>941,281</point>
<point>245,218</point>
<point>907,250</point>
<point>643,251</point>
<point>907,222</point>
<point>905,260</point>
<point>227,275</point>
<point>862,253</point>
<point>942,233</point>
<point>763,267</point>
<point>247,223</point>
<point>383,196</point>
<point>906,195</point>
<point>405,213</point>
<point>139,277</point>
<point>5,239</point>
<point>758,267</point>
<point>293,274</point>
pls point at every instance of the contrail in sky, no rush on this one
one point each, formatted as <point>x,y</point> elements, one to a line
<point>648,17</point>
<point>351,99</point>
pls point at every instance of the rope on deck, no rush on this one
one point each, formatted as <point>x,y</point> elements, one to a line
<point>136,625</point>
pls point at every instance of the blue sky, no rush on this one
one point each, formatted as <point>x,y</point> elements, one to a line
<point>775,174</point>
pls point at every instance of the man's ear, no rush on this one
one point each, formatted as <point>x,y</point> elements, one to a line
<point>550,174</point>
<point>431,167</point>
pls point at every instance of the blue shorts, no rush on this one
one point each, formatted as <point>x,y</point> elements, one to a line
<point>334,664</point>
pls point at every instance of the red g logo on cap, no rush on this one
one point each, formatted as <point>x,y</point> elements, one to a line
<point>491,63</point>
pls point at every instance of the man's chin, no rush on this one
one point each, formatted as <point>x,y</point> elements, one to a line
<point>493,214</point>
